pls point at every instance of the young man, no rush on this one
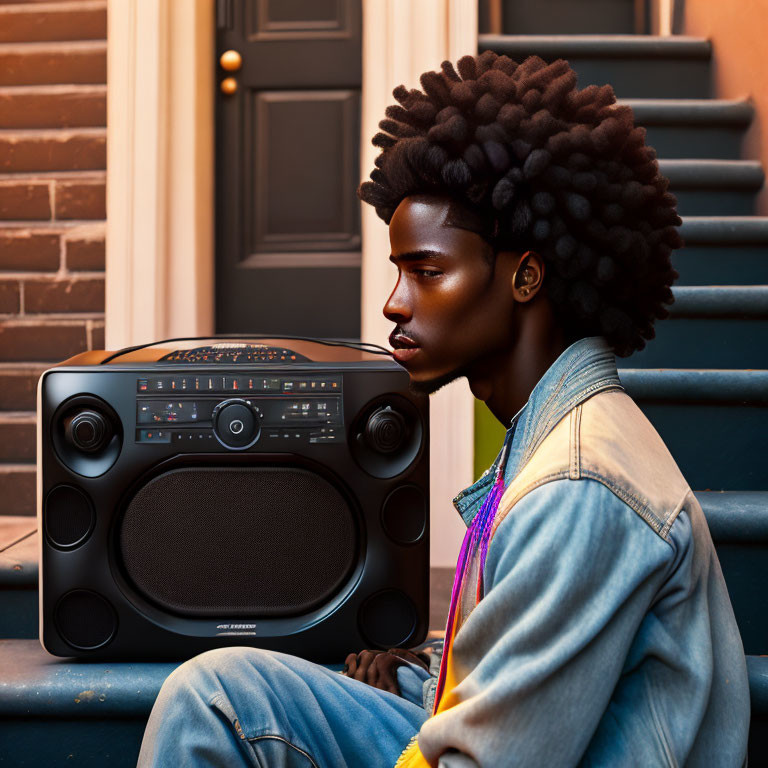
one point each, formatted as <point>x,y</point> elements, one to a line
<point>589,621</point>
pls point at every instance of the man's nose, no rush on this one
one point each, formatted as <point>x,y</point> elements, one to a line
<point>397,308</point>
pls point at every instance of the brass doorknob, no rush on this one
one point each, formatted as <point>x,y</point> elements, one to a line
<point>228,85</point>
<point>231,60</point>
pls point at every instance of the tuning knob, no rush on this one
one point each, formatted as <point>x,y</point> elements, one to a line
<point>87,430</point>
<point>236,423</point>
<point>386,430</point>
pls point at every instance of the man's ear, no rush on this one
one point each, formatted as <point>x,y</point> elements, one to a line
<point>528,277</point>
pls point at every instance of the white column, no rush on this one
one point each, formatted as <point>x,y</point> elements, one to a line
<point>402,39</point>
<point>160,118</point>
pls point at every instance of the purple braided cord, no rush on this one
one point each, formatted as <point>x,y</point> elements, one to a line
<point>478,534</point>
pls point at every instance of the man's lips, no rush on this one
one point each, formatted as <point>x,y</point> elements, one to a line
<point>401,341</point>
<point>404,348</point>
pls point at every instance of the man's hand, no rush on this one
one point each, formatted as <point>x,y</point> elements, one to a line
<point>378,668</point>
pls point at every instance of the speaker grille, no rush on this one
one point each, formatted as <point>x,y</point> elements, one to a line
<point>84,619</point>
<point>68,516</point>
<point>244,541</point>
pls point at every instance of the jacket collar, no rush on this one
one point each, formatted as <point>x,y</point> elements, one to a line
<point>585,368</point>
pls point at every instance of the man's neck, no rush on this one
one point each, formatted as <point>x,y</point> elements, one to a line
<point>505,381</point>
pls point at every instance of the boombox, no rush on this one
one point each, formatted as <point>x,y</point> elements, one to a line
<point>195,494</point>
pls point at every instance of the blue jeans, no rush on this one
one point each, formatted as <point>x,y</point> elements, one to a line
<point>249,707</point>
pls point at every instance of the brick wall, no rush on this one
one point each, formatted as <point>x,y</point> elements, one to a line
<point>52,210</point>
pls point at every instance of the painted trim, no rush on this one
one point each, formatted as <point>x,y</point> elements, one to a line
<point>160,155</point>
<point>402,39</point>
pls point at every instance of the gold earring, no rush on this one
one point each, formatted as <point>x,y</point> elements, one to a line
<point>525,291</point>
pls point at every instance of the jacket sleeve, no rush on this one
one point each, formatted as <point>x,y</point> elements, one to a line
<point>570,574</point>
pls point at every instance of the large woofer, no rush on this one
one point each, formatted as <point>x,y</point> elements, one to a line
<point>238,541</point>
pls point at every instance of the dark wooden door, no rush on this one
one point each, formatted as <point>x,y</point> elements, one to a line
<point>287,166</point>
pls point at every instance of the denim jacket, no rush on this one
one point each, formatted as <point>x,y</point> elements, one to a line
<point>605,635</point>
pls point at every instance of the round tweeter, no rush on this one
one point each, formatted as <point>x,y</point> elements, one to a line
<point>404,514</point>
<point>85,620</point>
<point>87,430</point>
<point>387,436</point>
<point>388,619</point>
<point>87,435</point>
<point>68,517</point>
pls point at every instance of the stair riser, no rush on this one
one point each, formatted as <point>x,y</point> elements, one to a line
<point>53,110</point>
<point>694,141</point>
<point>704,342</point>
<point>91,742</point>
<point>22,154</point>
<point>55,66</point>
<point>18,614</point>
<point>710,202</point>
<point>27,25</point>
<point>640,78</point>
<point>722,265</point>
<point>18,389</point>
<point>744,571</point>
<point>17,491</point>
<point>717,446</point>
<point>17,442</point>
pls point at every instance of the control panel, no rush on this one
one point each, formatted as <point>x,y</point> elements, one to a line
<point>205,412</point>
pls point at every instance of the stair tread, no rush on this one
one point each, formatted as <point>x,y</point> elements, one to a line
<point>19,536</point>
<point>601,46</point>
<point>34,683</point>
<point>690,111</point>
<point>54,89</point>
<point>54,46</point>
<point>53,133</point>
<point>705,172</point>
<point>92,174</point>
<point>18,551</point>
<point>692,386</point>
<point>715,230</point>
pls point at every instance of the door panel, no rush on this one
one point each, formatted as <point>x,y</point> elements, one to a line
<point>287,167</point>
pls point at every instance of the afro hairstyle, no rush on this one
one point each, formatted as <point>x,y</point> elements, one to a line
<point>554,169</point>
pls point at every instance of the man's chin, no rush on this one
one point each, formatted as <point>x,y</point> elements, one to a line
<point>428,386</point>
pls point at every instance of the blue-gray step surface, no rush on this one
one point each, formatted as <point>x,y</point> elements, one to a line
<point>637,66</point>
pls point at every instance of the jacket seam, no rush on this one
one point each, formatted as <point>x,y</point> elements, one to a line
<point>575,468</point>
<point>607,384</point>
<point>641,507</point>
<point>559,475</point>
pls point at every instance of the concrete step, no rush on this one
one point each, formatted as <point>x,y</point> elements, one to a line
<point>38,339</point>
<point>714,422</point>
<point>18,385</point>
<point>50,246</point>
<point>53,106</point>
<point>18,577</point>
<point>637,66</point>
<point>709,327</point>
<point>17,490</point>
<point>33,150</point>
<point>59,712</point>
<point>42,294</point>
<point>723,250</point>
<point>52,63</point>
<point>738,521</point>
<point>693,128</point>
<point>706,187</point>
<point>18,442</point>
<point>82,20</point>
<point>76,196</point>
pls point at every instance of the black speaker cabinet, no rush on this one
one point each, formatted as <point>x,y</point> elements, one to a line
<point>271,493</point>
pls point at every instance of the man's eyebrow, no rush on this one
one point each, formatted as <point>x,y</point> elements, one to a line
<point>416,256</point>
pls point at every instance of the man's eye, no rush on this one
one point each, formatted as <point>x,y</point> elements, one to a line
<point>428,273</point>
